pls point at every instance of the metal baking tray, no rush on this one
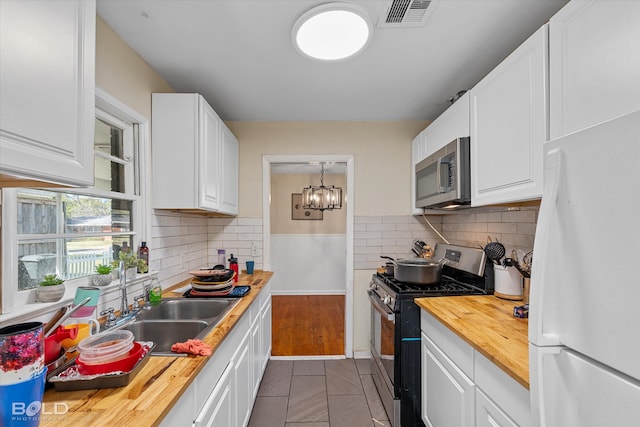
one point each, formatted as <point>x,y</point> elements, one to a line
<point>107,381</point>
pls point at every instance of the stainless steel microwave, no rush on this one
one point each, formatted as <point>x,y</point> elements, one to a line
<point>443,180</point>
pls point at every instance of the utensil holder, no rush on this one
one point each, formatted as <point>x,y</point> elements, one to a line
<point>508,283</point>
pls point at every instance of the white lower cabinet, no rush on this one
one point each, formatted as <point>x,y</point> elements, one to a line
<point>488,414</point>
<point>461,387</point>
<point>242,383</point>
<point>447,393</point>
<point>223,393</point>
<point>218,409</point>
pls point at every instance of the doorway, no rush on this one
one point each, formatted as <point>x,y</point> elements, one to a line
<point>312,260</point>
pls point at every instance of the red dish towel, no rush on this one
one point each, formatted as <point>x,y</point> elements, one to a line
<point>193,347</point>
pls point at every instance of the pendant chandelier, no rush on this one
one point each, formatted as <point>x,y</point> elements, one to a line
<point>322,198</point>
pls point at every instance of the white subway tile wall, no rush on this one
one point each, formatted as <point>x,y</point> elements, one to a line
<point>515,228</point>
<point>390,236</point>
<point>181,242</point>
<point>393,235</point>
<point>236,236</point>
<point>178,244</point>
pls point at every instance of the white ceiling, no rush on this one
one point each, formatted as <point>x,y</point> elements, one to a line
<point>238,54</point>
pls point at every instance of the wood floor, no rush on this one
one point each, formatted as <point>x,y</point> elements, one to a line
<point>307,325</point>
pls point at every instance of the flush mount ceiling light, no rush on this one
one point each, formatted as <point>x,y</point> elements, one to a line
<point>322,198</point>
<point>332,32</point>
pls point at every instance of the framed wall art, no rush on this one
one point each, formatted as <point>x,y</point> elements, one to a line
<point>298,212</point>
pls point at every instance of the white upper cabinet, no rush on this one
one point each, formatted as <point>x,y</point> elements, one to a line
<point>509,125</point>
<point>452,124</point>
<point>47,89</point>
<point>195,156</point>
<point>594,63</point>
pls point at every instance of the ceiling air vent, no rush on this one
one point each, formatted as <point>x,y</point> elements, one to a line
<point>404,13</point>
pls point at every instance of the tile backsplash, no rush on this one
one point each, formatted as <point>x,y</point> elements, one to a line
<point>181,242</point>
<point>393,235</point>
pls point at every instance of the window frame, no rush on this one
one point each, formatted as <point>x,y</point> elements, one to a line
<point>107,108</point>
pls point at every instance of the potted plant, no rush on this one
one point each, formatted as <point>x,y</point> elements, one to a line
<point>51,288</point>
<point>103,275</point>
<point>133,264</point>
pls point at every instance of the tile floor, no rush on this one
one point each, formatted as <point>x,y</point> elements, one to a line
<point>318,393</point>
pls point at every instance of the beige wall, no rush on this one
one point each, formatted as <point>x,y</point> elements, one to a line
<point>123,74</point>
<point>283,185</point>
<point>382,152</point>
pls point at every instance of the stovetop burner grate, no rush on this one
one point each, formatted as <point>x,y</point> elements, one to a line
<point>448,286</point>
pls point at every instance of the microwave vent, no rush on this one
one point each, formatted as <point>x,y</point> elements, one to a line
<point>404,13</point>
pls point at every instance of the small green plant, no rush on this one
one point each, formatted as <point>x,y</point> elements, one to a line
<point>104,269</point>
<point>131,260</point>
<point>51,279</point>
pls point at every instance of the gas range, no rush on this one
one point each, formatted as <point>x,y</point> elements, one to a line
<point>466,274</point>
<point>387,286</point>
<point>395,327</point>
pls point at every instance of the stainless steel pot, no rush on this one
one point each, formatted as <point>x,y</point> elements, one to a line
<point>420,271</point>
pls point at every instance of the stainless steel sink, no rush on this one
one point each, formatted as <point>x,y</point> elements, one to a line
<point>165,333</point>
<point>177,320</point>
<point>188,309</point>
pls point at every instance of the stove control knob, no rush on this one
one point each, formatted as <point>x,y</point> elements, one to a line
<point>373,286</point>
<point>386,300</point>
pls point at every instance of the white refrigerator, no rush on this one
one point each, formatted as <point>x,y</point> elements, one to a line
<point>584,314</point>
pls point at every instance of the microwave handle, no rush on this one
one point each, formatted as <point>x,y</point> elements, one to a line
<point>441,188</point>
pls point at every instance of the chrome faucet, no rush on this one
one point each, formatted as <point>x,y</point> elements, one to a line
<point>124,305</point>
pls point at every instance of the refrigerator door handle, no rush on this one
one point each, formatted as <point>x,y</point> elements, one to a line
<point>553,162</point>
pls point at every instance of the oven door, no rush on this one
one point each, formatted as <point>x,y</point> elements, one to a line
<point>382,354</point>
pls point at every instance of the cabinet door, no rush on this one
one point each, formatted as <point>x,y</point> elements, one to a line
<point>447,393</point>
<point>47,90</point>
<point>265,340</point>
<point>229,168</point>
<point>452,124</point>
<point>509,126</point>
<point>594,63</point>
<point>218,410</point>
<point>256,354</point>
<point>488,414</point>
<point>243,382</point>
<point>210,151</point>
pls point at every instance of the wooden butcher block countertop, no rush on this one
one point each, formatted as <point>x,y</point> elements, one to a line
<point>488,325</point>
<point>151,394</point>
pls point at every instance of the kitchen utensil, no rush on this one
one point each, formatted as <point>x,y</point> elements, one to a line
<point>495,251</point>
<point>507,282</point>
<point>21,352</point>
<point>54,319</point>
<point>123,364</point>
<point>389,268</point>
<point>417,270</point>
<point>67,315</point>
<point>52,343</point>
<point>106,346</point>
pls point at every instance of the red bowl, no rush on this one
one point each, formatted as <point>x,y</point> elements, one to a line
<point>125,364</point>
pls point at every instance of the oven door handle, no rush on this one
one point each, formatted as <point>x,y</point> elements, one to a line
<point>389,315</point>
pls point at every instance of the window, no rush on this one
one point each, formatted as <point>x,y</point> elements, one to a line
<point>70,231</point>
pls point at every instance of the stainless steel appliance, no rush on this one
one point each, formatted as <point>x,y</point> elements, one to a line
<point>443,180</point>
<point>395,326</point>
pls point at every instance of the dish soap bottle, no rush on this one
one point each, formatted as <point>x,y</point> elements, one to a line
<point>233,264</point>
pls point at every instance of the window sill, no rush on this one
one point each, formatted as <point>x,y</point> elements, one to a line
<point>42,311</point>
